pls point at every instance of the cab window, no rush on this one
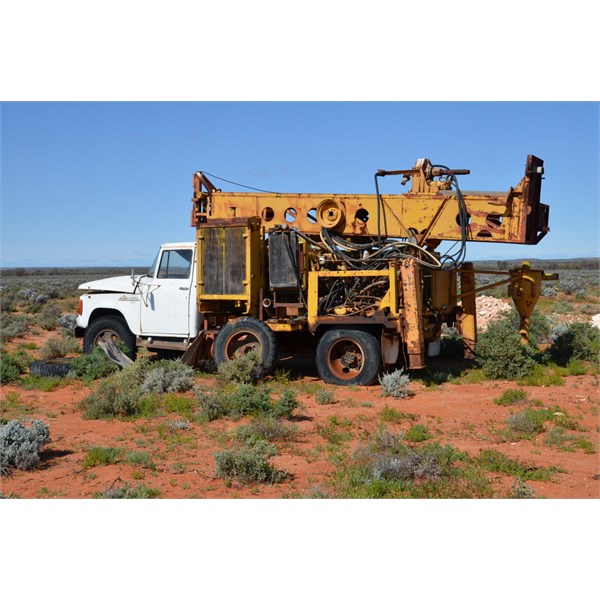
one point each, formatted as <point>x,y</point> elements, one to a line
<point>175,264</point>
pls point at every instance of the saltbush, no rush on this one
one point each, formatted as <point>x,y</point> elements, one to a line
<point>92,366</point>
<point>244,369</point>
<point>59,346</point>
<point>249,464</point>
<point>324,396</point>
<point>19,445</point>
<point>501,353</point>
<point>168,376</point>
<point>577,340</point>
<point>512,396</point>
<point>127,492</point>
<point>395,384</point>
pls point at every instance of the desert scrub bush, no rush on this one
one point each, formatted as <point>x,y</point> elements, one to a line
<point>512,396</point>
<point>501,354</point>
<point>529,421</point>
<point>14,326</point>
<point>128,492</point>
<point>89,367</point>
<point>336,431</point>
<point>391,415</point>
<point>521,491</point>
<point>137,458</point>
<point>558,438</point>
<point>119,394</point>
<point>244,369</point>
<point>246,399</point>
<point>168,376</point>
<point>577,340</point>
<point>20,445</point>
<point>267,429</point>
<point>417,433</point>
<point>11,367</point>
<point>324,396</point>
<point>43,384</point>
<point>100,455</point>
<point>249,464</point>
<point>48,317</point>
<point>182,405</point>
<point>542,376</point>
<point>496,462</point>
<point>395,384</point>
<point>59,346</point>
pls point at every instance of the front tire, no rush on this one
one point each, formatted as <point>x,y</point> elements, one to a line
<point>243,336</point>
<point>114,328</point>
<point>348,357</point>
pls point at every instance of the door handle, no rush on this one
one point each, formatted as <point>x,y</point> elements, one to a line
<point>184,289</point>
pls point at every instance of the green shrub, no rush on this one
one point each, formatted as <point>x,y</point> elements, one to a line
<point>182,405</point>
<point>512,396</point>
<point>92,366</point>
<point>324,396</point>
<point>285,406</point>
<point>244,369</point>
<point>99,456</point>
<point>119,394</point>
<point>391,415</point>
<point>496,462</point>
<point>59,346</point>
<point>246,399</point>
<point>542,375</point>
<point>11,368</point>
<point>539,326</point>
<point>577,340</point>
<point>395,384</point>
<point>20,445</point>
<point>502,355</point>
<point>138,458</point>
<point>558,438</point>
<point>249,464</point>
<point>417,433</point>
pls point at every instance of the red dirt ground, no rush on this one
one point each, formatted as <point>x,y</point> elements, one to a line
<point>462,415</point>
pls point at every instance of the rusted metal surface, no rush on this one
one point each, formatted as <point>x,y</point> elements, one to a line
<point>413,313</point>
<point>429,210</point>
<point>468,317</point>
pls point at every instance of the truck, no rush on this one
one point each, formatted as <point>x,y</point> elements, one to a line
<point>359,281</point>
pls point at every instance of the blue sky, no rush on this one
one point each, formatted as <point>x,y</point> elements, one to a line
<point>105,183</point>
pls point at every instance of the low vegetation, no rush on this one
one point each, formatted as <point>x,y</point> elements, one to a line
<point>20,445</point>
<point>395,384</point>
<point>249,464</point>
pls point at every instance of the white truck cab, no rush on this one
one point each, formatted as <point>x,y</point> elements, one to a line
<point>157,310</point>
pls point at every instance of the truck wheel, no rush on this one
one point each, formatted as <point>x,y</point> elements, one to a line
<point>50,367</point>
<point>242,336</point>
<point>114,328</point>
<point>348,357</point>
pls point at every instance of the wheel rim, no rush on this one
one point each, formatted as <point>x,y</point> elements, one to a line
<point>107,335</point>
<point>346,359</point>
<point>242,343</point>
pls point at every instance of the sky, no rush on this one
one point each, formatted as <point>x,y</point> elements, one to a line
<point>105,183</point>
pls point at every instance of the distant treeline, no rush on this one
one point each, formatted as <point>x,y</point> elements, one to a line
<point>45,271</point>
<point>566,264</point>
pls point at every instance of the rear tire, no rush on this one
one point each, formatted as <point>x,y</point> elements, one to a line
<point>348,357</point>
<point>114,328</point>
<point>243,336</point>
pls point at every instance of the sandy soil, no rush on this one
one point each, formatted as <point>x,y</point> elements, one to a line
<point>464,416</point>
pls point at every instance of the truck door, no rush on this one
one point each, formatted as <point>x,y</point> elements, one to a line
<point>165,302</point>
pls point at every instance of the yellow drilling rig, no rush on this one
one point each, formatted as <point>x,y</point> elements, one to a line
<point>359,280</point>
